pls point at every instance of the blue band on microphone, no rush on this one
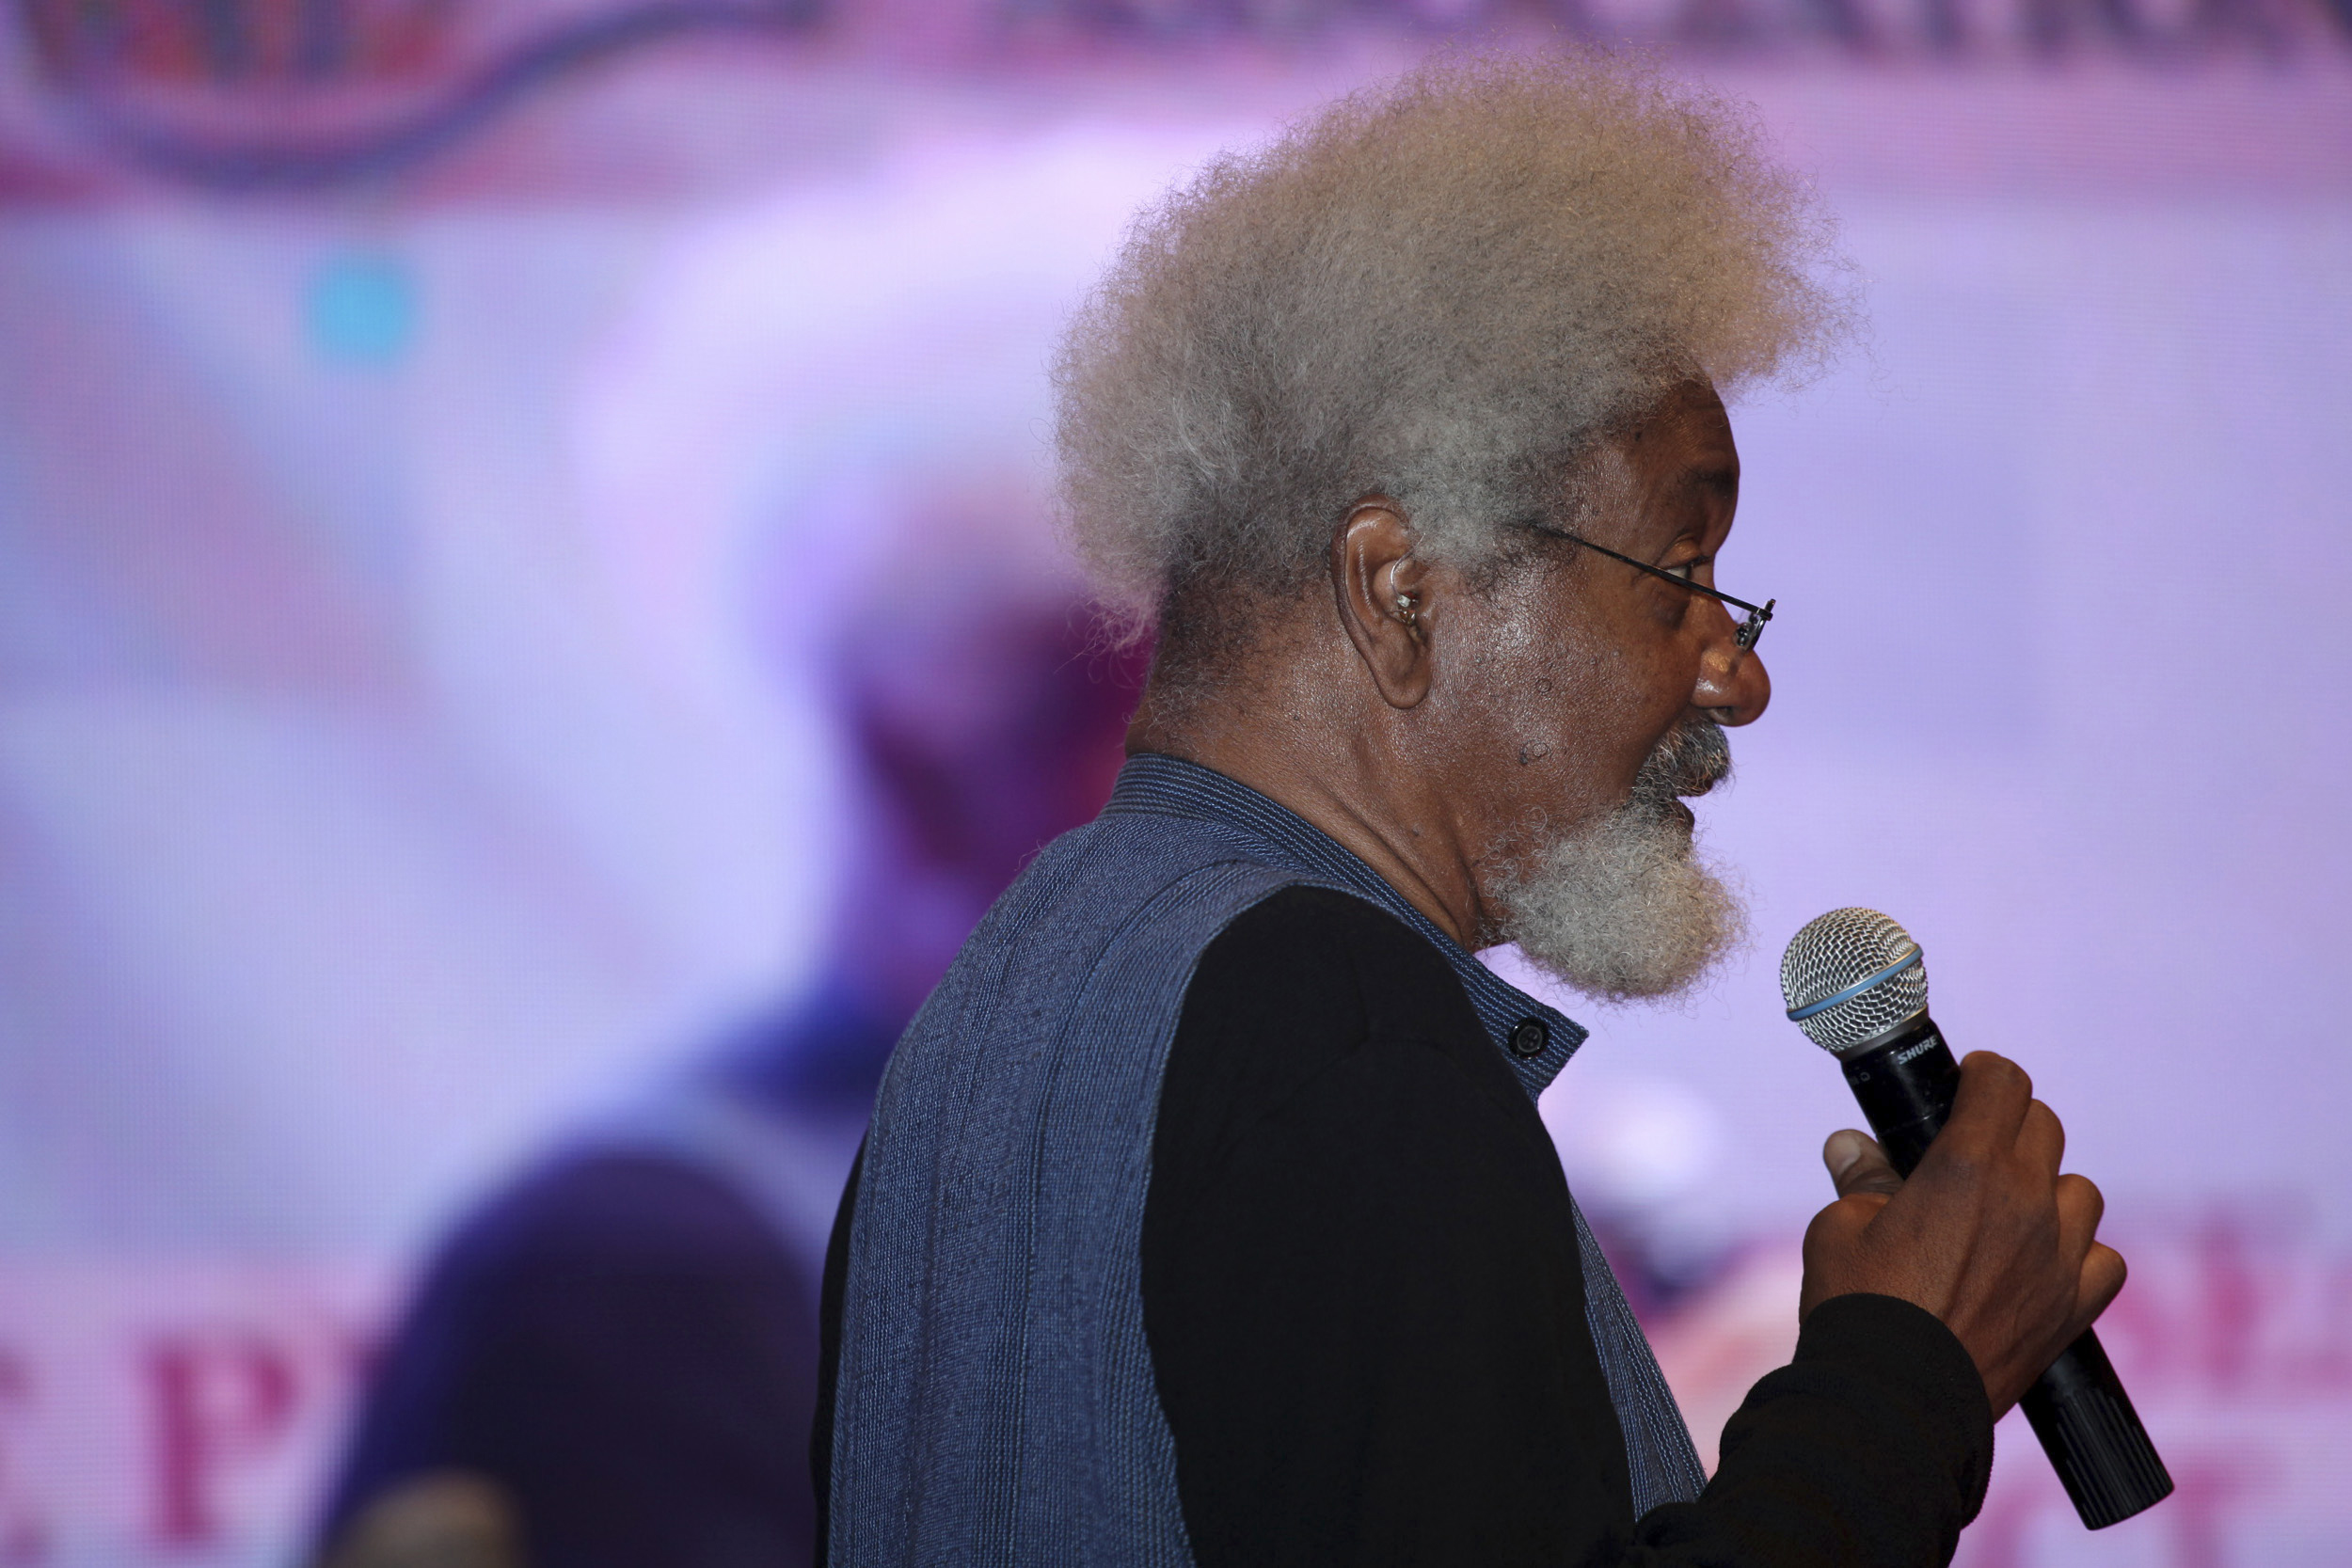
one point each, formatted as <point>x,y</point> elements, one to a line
<point>1812,1009</point>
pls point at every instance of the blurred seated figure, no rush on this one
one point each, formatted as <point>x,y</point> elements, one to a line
<point>612,1361</point>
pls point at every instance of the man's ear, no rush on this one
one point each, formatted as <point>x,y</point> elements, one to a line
<point>1384,599</point>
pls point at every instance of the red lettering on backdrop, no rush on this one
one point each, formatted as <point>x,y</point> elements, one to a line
<point>213,1399</point>
<point>241,43</point>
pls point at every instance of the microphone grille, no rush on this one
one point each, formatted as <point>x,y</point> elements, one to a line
<point>1842,949</point>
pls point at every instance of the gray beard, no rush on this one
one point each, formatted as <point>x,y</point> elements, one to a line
<point>1623,908</point>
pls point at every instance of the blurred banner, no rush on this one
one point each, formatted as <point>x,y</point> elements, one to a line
<point>466,475</point>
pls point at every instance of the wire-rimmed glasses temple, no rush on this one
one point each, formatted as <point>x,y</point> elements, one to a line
<point>1747,631</point>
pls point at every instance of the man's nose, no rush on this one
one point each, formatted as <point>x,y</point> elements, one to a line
<point>1733,686</point>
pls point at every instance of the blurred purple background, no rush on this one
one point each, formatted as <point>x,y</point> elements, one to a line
<point>442,446</point>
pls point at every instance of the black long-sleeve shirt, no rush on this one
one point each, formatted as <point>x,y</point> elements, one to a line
<point>1365,1306</point>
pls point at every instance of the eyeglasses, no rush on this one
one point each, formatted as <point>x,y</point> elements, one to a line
<point>1744,636</point>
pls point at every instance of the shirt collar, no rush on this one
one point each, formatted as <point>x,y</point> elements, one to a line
<point>1154,784</point>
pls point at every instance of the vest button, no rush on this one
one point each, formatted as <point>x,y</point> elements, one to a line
<point>1528,1039</point>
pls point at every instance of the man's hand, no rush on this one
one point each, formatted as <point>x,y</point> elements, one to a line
<point>1986,1234</point>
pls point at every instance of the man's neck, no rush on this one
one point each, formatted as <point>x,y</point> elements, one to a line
<point>1381,810</point>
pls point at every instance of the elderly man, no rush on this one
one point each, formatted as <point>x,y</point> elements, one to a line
<point>1206,1215</point>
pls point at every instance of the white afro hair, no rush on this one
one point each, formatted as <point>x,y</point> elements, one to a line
<point>1445,289</point>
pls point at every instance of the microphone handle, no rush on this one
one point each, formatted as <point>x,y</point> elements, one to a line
<point>2079,1408</point>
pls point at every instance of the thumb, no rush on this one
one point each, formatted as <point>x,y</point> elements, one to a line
<point>1857,1164</point>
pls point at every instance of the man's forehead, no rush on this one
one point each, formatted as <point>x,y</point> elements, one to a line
<point>1703,419</point>
<point>1715,468</point>
<point>1687,439</point>
<point>1687,407</point>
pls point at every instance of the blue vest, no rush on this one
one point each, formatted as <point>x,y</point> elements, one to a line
<point>994,1399</point>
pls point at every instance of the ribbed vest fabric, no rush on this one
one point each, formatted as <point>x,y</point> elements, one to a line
<point>994,1399</point>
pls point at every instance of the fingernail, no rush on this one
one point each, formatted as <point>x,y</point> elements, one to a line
<point>1844,1151</point>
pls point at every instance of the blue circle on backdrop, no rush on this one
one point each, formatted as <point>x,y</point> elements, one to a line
<point>362,310</point>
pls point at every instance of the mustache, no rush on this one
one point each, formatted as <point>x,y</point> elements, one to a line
<point>1690,760</point>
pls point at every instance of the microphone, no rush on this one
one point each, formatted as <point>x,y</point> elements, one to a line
<point>1856,983</point>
